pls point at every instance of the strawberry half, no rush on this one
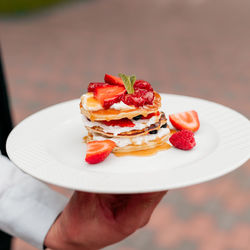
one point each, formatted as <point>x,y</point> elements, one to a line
<point>98,151</point>
<point>185,120</point>
<point>109,94</point>
<point>125,122</point>
<point>93,85</point>
<point>113,80</point>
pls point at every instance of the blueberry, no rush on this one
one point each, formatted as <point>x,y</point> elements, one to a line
<point>164,125</point>
<point>153,132</point>
<point>138,117</point>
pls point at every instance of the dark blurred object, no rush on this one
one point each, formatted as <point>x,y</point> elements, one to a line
<point>5,128</point>
<point>5,240</point>
<point>8,7</point>
<point>6,122</point>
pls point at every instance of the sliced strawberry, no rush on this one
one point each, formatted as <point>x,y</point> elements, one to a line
<point>185,120</point>
<point>125,122</point>
<point>98,151</point>
<point>151,115</point>
<point>113,80</point>
<point>109,94</point>
<point>141,84</point>
<point>93,85</point>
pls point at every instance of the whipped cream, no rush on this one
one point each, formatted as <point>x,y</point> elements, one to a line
<point>115,130</point>
<point>122,106</point>
<point>122,142</point>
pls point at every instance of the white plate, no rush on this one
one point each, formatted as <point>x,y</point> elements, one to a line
<point>48,145</point>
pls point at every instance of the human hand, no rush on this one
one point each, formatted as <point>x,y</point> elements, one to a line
<point>92,221</point>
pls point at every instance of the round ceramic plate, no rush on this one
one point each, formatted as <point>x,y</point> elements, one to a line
<point>49,146</point>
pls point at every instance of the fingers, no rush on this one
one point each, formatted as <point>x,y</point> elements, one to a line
<point>150,203</point>
<point>146,203</point>
<point>130,212</point>
<point>83,204</point>
<point>138,211</point>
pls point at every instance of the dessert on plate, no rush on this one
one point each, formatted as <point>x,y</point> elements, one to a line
<point>125,111</point>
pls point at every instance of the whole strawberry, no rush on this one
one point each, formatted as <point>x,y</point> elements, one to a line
<point>183,139</point>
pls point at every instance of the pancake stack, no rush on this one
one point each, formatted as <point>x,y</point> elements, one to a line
<point>131,127</point>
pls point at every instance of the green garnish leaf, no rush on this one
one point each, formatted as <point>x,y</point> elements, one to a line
<point>129,82</point>
<point>126,81</point>
<point>132,80</point>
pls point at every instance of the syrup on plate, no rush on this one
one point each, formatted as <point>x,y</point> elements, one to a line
<point>147,152</point>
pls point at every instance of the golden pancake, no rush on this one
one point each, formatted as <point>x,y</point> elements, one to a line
<point>113,114</point>
<point>132,133</point>
<point>133,147</point>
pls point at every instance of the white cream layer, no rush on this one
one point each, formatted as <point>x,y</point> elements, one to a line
<point>122,142</point>
<point>122,106</point>
<point>115,130</point>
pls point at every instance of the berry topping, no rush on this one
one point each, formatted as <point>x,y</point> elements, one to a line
<point>133,99</point>
<point>183,139</point>
<point>149,97</point>
<point>93,85</point>
<point>109,94</point>
<point>138,117</point>
<point>98,151</point>
<point>136,92</point>
<point>139,98</point>
<point>164,125</point>
<point>153,132</point>
<point>185,120</point>
<point>113,80</point>
<point>151,115</point>
<point>125,122</point>
<point>141,84</point>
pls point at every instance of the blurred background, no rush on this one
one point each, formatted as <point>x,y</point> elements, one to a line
<point>52,49</point>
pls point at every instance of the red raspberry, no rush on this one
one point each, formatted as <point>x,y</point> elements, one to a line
<point>183,139</point>
<point>141,84</point>
<point>149,97</point>
<point>133,99</point>
<point>139,98</point>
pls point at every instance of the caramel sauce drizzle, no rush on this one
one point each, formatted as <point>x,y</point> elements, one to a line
<point>147,152</point>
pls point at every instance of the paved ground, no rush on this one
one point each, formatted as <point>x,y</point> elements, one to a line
<point>192,47</point>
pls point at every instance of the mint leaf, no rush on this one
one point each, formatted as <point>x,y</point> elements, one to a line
<point>128,82</point>
<point>132,80</point>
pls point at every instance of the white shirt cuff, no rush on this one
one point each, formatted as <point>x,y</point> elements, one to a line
<point>28,207</point>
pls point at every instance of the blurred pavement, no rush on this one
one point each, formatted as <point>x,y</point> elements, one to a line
<point>191,47</point>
